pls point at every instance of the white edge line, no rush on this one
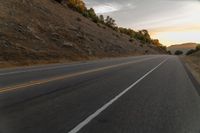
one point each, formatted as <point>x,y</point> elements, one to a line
<point>95,114</point>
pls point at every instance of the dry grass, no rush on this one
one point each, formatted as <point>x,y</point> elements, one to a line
<point>193,63</point>
<point>43,31</point>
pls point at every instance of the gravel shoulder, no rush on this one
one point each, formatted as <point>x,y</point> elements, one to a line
<point>193,64</point>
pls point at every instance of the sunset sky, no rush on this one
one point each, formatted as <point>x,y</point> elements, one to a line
<point>171,21</point>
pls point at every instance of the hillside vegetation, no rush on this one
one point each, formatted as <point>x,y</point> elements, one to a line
<point>47,31</point>
<point>194,51</point>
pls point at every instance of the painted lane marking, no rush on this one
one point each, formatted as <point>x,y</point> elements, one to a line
<point>34,83</point>
<point>104,107</point>
<point>40,69</point>
<point>46,69</point>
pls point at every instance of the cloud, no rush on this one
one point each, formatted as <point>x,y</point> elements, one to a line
<point>106,8</point>
<point>154,15</point>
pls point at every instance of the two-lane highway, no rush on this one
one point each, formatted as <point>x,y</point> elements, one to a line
<point>146,94</point>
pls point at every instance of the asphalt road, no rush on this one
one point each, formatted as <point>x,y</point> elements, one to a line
<point>145,94</point>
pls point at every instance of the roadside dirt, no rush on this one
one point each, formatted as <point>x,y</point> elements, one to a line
<point>193,64</point>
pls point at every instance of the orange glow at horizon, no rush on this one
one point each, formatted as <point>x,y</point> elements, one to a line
<point>170,21</point>
<point>182,30</point>
<point>170,38</point>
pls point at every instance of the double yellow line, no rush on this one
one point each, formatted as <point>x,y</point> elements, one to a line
<point>39,82</point>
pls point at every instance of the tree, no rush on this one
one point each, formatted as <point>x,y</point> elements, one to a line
<point>78,5</point>
<point>101,19</point>
<point>198,47</point>
<point>145,36</point>
<point>156,42</point>
<point>145,33</point>
<point>193,50</point>
<point>169,52</point>
<point>91,14</point>
<point>110,22</point>
<point>178,52</point>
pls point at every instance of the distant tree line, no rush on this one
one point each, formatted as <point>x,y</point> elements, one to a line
<point>143,35</point>
<point>178,52</point>
<point>79,6</point>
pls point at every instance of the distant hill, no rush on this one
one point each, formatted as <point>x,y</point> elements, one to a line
<point>183,47</point>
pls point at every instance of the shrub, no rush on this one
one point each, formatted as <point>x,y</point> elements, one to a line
<point>198,47</point>
<point>101,19</point>
<point>110,22</point>
<point>178,52</point>
<point>59,1</point>
<point>77,5</point>
<point>192,51</point>
<point>169,52</point>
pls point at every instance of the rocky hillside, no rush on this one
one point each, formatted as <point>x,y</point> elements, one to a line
<point>45,31</point>
<point>183,47</point>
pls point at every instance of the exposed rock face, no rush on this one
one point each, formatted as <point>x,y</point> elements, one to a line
<point>44,30</point>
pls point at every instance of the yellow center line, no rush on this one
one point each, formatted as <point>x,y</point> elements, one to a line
<point>39,82</point>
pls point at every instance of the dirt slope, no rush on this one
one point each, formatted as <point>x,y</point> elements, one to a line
<point>44,31</point>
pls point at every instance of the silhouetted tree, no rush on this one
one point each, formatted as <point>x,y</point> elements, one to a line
<point>101,18</point>
<point>110,22</point>
<point>178,52</point>
<point>156,42</point>
<point>169,52</point>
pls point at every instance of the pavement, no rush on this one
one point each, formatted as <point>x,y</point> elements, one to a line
<point>144,94</point>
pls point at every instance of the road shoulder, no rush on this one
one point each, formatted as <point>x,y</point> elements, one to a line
<point>193,70</point>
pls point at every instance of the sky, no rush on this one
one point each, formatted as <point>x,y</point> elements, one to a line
<point>170,21</point>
